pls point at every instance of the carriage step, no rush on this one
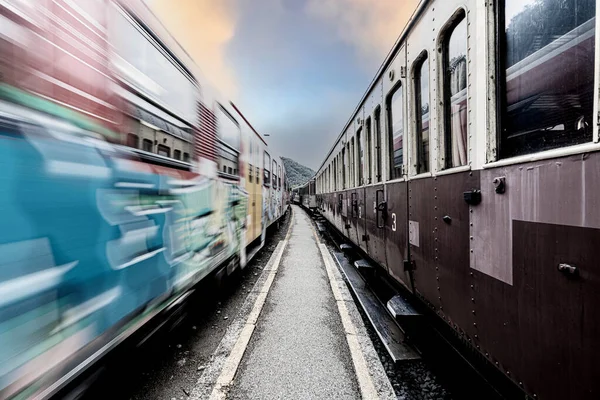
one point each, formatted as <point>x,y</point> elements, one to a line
<point>399,308</point>
<point>363,265</point>
<point>321,227</point>
<point>345,247</point>
<point>391,335</point>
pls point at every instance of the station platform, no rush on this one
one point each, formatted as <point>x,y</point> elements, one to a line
<point>298,334</point>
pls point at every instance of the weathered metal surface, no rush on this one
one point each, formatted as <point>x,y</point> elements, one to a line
<point>376,235</point>
<point>361,225</point>
<point>423,210</point>
<point>396,227</point>
<point>453,248</point>
<point>560,191</point>
<point>546,318</point>
<point>387,330</point>
<point>400,308</point>
<point>362,264</point>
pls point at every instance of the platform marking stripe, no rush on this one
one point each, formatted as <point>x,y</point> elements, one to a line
<point>367,388</point>
<point>220,373</point>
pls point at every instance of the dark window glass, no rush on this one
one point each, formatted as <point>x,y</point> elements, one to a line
<point>455,95</point>
<point>224,169</point>
<point>361,157</point>
<point>177,154</point>
<point>548,91</point>
<point>250,173</point>
<point>395,132</point>
<point>186,157</point>
<point>230,170</point>
<point>266,169</point>
<point>368,151</point>
<point>147,145</point>
<point>164,150</point>
<point>378,144</point>
<point>258,175</point>
<point>133,141</point>
<point>274,174</point>
<point>352,163</point>
<point>344,163</point>
<point>422,115</point>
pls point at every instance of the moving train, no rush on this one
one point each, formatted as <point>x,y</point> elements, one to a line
<point>468,173</point>
<point>126,179</point>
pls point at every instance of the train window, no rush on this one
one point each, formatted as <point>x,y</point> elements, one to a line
<point>258,175</point>
<point>228,133</point>
<point>548,86</point>
<point>164,150</point>
<point>147,145</point>
<point>343,167</point>
<point>224,168</point>
<point>395,131</point>
<point>422,114</point>
<point>266,169</point>
<point>361,157</point>
<point>378,143</point>
<point>177,154</point>
<point>352,163</point>
<point>250,173</point>
<point>368,151</point>
<point>279,178</point>
<point>186,157</point>
<point>455,93</point>
<point>133,140</point>
<point>274,174</point>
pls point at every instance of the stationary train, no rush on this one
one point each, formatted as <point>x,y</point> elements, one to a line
<point>468,173</point>
<point>126,179</point>
<point>306,195</point>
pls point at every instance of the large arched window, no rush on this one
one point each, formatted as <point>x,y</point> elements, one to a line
<point>547,58</point>
<point>455,93</point>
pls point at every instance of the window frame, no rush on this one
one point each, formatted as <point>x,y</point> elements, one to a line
<point>378,145</point>
<point>266,172</point>
<point>389,134</point>
<point>496,103</point>
<point>144,141</point>
<point>444,112</point>
<point>417,139</point>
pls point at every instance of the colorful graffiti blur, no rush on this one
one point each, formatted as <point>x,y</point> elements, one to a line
<point>92,241</point>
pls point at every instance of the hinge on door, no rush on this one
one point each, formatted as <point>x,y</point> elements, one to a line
<point>409,265</point>
<point>402,72</point>
<point>365,238</point>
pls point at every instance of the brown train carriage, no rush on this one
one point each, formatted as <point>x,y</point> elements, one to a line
<point>467,173</point>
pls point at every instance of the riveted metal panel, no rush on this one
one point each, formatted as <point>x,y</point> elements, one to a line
<point>452,238</point>
<point>422,210</point>
<point>543,330</point>
<point>395,232</point>
<point>376,235</point>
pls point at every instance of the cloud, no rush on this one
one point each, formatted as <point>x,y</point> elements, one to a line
<point>370,26</point>
<point>204,28</point>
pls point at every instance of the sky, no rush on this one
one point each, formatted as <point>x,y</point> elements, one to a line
<point>295,68</point>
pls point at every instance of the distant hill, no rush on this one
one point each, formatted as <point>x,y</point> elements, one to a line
<point>297,173</point>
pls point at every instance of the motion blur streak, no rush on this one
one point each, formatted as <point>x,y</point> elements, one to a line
<point>126,179</point>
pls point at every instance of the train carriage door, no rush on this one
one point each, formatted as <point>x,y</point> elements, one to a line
<point>374,194</point>
<point>359,200</point>
<point>394,200</point>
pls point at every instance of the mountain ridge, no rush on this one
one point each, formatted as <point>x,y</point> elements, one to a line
<point>297,174</point>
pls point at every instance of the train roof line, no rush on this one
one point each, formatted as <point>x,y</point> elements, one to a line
<point>386,62</point>
<point>248,122</point>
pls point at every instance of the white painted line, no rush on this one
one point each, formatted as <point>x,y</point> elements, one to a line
<point>219,376</point>
<point>367,388</point>
<point>371,376</point>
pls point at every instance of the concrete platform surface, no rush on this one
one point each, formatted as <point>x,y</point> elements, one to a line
<point>299,348</point>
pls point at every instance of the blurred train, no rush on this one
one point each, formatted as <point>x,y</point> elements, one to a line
<point>306,195</point>
<point>469,174</point>
<point>126,179</point>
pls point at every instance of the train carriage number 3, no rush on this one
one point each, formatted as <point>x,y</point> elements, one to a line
<point>394,222</point>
